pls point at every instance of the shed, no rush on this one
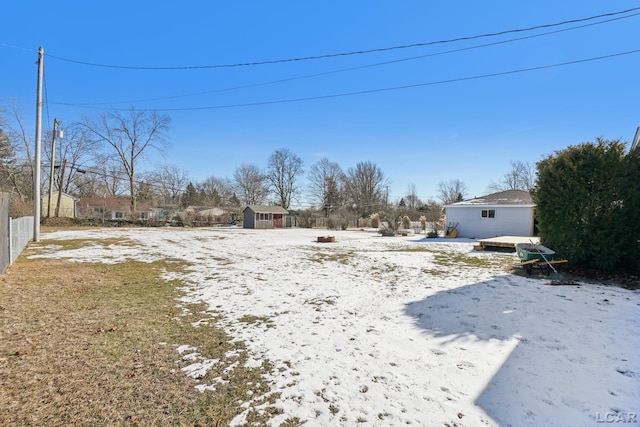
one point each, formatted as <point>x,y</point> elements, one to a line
<point>507,213</point>
<point>63,203</point>
<point>263,217</point>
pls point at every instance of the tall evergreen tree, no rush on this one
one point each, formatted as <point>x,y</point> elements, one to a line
<point>332,196</point>
<point>587,203</point>
<point>190,196</point>
<point>325,179</point>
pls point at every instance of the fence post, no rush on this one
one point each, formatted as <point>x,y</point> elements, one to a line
<point>9,240</point>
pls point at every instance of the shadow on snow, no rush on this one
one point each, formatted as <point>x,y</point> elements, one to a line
<point>575,355</point>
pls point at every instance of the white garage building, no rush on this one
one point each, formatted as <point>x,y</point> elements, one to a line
<point>507,213</point>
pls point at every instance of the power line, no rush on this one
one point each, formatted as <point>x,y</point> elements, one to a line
<point>334,55</point>
<point>395,61</point>
<point>120,176</point>
<point>363,92</point>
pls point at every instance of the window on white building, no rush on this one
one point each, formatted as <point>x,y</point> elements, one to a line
<point>488,213</point>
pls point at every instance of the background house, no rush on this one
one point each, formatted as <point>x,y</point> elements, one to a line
<point>256,216</point>
<point>507,213</point>
<point>112,208</point>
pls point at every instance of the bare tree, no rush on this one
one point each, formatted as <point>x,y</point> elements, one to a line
<point>19,170</point>
<point>325,178</point>
<point>112,176</point>
<point>364,186</point>
<point>76,152</point>
<point>217,191</point>
<point>282,171</point>
<point>250,184</point>
<point>130,136</point>
<point>170,182</point>
<point>521,176</point>
<point>90,185</point>
<point>431,210</point>
<point>411,197</point>
<point>452,191</point>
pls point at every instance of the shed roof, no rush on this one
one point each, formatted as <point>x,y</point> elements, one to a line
<point>54,195</point>
<point>266,209</point>
<point>509,197</point>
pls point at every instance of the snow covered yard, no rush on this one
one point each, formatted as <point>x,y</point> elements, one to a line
<point>385,331</point>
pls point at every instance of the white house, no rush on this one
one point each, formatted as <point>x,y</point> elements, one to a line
<point>507,213</point>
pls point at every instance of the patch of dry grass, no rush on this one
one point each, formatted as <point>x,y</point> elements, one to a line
<point>256,320</point>
<point>470,261</point>
<point>71,244</point>
<point>95,344</point>
<point>342,257</point>
<point>318,303</point>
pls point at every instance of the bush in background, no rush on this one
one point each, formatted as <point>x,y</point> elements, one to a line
<point>406,222</point>
<point>375,220</point>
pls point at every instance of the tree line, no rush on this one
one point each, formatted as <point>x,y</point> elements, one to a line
<point>99,156</point>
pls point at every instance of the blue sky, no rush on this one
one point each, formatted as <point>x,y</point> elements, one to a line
<point>426,115</point>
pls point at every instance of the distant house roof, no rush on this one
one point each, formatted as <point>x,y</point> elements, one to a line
<point>266,209</point>
<point>211,212</point>
<point>111,203</point>
<point>509,197</point>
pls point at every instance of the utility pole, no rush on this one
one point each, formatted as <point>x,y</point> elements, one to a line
<point>53,155</point>
<point>64,167</point>
<point>36,169</point>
